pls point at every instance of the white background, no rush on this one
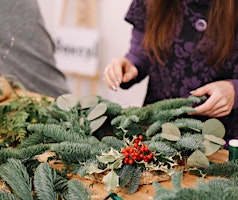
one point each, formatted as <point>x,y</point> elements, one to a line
<point>114,42</point>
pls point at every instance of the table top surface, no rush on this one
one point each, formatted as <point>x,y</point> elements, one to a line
<point>147,191</point>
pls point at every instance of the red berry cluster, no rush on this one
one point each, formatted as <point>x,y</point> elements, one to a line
<point>137,152</point>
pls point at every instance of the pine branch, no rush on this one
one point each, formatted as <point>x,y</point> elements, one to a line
<point>113,142</point>
<point>77,191</point>
<point>161,147</point>
<point>22,153</point>
<point>7,196</point>
<point>44,180</point>
<point>190,142</point>
<point>15,174</point>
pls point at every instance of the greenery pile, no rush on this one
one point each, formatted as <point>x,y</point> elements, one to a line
<point>91,135</point>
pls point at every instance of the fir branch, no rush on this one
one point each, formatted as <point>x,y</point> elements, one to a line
<point>161,147</point>
<point>227,169</point>
<point>113,142</point>
<point>72,152</point>
<point>7,196</point>
<point>57,132</point>
<point>15,174</point>
<point>44,180</point>
<point>190,142</point>
<point>33,139</point>
<point>22,153</point>
<point>188,123</point>
<point>129,177</point>
<point>77,191</point>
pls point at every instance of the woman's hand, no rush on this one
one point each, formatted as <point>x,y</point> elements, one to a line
<point>119,70</point>
<point>221,99</point>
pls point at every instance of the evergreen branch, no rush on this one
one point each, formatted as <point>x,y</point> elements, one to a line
<point>44,180</point>
<point>22,153</point>
<point>7,196</point>
<point>227,169</point>
<point>77,191</point>
<point>188,123</point>
<point>72,152</point>
<point>15,174</point>
<point>129,177</point>
<point>161,147</point>
<point>190,142</point>
<point>113,142</point>
<point>33,139</point>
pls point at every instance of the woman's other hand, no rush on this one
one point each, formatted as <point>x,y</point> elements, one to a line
<point>119,70</point>
<point>221,99</point>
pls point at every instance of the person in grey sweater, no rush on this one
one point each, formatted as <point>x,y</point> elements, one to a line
<point>27,50</point>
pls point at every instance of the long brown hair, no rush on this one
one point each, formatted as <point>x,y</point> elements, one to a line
<point>162,16</point>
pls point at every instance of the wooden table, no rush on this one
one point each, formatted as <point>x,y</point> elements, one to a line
<point>147,191</point>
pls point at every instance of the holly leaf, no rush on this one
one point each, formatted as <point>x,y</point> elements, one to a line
<point>111,181</point>
<point>93,168</point>
<point>110,157</point>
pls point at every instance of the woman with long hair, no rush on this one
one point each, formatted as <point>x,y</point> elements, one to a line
<point>185,47</point>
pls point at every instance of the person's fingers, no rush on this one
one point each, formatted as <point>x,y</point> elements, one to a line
<point>107,79</point>
<point>130,74</point>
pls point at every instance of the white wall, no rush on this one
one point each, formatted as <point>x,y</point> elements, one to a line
<point>114,42</point>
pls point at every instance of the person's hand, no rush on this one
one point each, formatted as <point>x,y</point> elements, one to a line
<point>119,70</point>
<point>221,99</point>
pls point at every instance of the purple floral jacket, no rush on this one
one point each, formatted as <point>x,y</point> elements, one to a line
<point>185,69</point>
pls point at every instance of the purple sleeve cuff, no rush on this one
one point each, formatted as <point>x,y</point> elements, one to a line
<point>137,57</point>
<point>235,84</point>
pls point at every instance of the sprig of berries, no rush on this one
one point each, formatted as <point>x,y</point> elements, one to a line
<point>137,152</point>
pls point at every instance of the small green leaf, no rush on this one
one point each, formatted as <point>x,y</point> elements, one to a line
<point>111,181</point>
<point>198,159</point>
<point>88,102</point>
<point>98,111</point>
<point>215,139</point>
<point>214,127</point>
<point>97,123</point>
<point>210,147</point>
<point>170,132</point>
<point>67,101</point>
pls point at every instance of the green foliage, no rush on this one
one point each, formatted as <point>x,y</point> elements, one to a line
<point>77,191</point>
<point>217,188</point>
<point>130,177</point>
<point>16,114</point>
<point>162,148</point>
<point>113,142</point>
<point>44,182</point>
<point>16,176</point>
<point>22,153</point>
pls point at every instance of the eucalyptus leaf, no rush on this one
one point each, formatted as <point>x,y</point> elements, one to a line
<point>198,159</point>
<point>98,111</point>
<point>170,137</point>
<point>214,127</point>
<point>213,138</point>
<point>170,132</point>
<point>111,181</point>
<point>210,147</point>
<point>88,102</point>
<point>97,123</point>
<point>67,101</point>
